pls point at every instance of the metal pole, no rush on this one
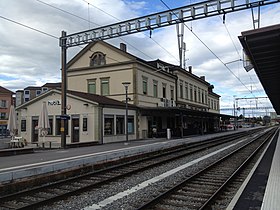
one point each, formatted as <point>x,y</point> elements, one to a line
<point>126,113</point>
<point>63,88</point>
<point>126,84</point>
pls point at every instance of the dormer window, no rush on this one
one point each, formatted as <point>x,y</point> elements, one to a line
<point>97,59</point>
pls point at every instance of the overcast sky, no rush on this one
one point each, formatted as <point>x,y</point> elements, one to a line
<point>31,58</point>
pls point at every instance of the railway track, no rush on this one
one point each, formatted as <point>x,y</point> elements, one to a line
<point>203,189</point>
<point>43,195</point>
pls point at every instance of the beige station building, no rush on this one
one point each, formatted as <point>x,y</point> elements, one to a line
<point>162,97</point>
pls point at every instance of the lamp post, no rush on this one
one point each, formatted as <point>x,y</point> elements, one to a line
<point>126,84</point>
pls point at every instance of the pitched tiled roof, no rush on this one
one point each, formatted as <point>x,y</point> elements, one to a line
<point>6,91</point>
<point>103,100</point>
<point>52,85</point>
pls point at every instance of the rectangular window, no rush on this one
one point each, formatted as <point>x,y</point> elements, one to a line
<point>172,92</point>
<point>181,90</point>
<point>202,97</point>
<point>145,86</point>
<point>108,125</point>
<point>199,96</point>
<point>155,89</point>
<point>85,123</point>
<point>120,125</point>
<point>105,87</point>
<point>38,92</point>
<point>58,126</point>
<point>186,91</point>
<point>23,125</point>
<point>92,86</point>
<point>3,115</point>
<point>163,90</point>
<point>44,89</point>
<point>130,124</point>
<point>195,96</point>
<point>191,92</point>
<point>3,104</point>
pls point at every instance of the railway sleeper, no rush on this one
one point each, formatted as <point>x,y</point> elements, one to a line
<point>202,194</point>
<point>11,205</point>
<point>206,184</point>
<point>205,179</point>
<point>179,204</point>
<point>173,205</point>
<point>189,198</point>
<point>164,207</point>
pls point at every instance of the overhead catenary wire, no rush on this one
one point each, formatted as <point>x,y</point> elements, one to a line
<point>29,27</point>
<point>89,22</point>
<point>237,51</point>
<point>149,36</point>
<point>210,50</point>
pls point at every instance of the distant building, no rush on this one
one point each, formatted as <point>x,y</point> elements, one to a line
<point>6,100</point>
<point>31,92</point>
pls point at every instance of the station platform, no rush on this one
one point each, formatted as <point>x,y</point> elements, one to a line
<point>43,161</point>
<point>40,162</point>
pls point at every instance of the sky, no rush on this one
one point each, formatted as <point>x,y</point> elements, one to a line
<point>30,52</point>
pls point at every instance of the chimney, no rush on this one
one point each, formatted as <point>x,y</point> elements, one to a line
<point>202,77</point>
<point>190,69</point>
<point>123,47</point>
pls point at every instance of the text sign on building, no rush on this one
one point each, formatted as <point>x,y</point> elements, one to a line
<point>54,103</point>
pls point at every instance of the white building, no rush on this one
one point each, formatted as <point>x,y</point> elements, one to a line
<point>93,118</point>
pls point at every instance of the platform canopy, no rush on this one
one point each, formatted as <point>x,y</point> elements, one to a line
<point>262,46</point>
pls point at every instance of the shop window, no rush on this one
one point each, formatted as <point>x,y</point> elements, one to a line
<point>58,126</point>
<point>23,125</point>
<point>130,124</point>
<point>108,125</point>
<point>97,59</point>
<point>85,123</point>
<point>120,125</point>
<point>92,86</point>
<point>105,87</point>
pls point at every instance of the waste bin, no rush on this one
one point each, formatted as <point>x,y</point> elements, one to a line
<point>168,133</point>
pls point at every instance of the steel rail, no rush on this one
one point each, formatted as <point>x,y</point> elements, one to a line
<point>187,150</point>
<point>163,196</point>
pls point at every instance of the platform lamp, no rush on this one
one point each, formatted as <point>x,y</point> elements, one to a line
<point>126,84</point>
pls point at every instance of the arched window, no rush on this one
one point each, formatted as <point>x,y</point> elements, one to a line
<point>97,59</point>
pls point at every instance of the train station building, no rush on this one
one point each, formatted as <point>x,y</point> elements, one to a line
<point>162,98</point>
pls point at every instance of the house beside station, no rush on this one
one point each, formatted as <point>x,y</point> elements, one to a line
<point>92,118</point>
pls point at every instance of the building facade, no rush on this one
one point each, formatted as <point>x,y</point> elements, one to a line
<point>167,95</point>
<point>6,100</point>
<point>92,118</point>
